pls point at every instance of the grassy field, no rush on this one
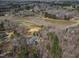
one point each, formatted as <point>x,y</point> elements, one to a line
<point>32,27</point>
<point>25,21</point>
<point>60,22</point>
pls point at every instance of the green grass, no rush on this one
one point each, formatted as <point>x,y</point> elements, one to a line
<point>55,49</point>
<point>25,51</point>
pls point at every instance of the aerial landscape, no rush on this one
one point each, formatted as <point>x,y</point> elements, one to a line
<point>39,28</point>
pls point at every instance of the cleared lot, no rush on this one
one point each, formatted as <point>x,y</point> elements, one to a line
<point>39,21</point>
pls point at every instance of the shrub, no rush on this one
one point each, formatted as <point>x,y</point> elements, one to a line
<point>23,53</point>
<point>26,52</point>
<point>2,26</point>
<point>55,49</point>
<point>50,16</point>
<point>66,18</point>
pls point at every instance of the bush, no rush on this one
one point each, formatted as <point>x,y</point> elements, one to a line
<point>23,53</point>
<point>55,49</point>
<point>27,7</point>
<point>2,26</point>
<point>66,18</point>
<point>26,52</point>
<point>50,15</point>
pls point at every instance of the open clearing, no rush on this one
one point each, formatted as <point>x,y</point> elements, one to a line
<point>60,22</point>
<point>32,22</point>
